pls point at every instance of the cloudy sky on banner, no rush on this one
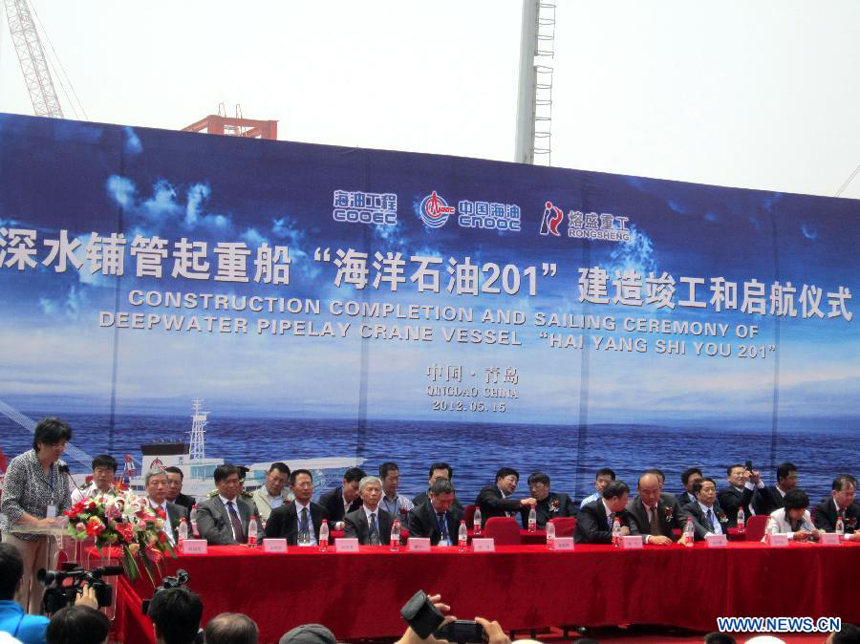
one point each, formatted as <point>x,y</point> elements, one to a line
<point>757,95</point>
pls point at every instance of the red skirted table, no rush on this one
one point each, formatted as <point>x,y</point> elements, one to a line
<point>360,595</point>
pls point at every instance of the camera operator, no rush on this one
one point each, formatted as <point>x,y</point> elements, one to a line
<point>13,618</point>
<point>78,624</point>
<point>175,614</point>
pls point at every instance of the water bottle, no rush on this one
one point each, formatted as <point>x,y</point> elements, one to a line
<point>192,517</point>
<point>741,519</point>
<point>550,534</point>
<point>477,526</point>
<point>252,533</point>
<point>323,540</point>
<point>395,536</point>
<point>183,530</point>
<point>840,528</point>
<point>616,532</point>
<point>463,535</point>
<point>689,533</point>
<point>532,520</point>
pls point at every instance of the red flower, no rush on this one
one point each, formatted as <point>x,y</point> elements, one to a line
<point>160,513</point>
<point>95,526</point>
<point>162,538</point>
<point>125,531</point>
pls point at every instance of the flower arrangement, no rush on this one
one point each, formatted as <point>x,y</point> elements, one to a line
<point>126,521</point>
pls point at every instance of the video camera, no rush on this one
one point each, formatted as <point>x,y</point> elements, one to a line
<point>175,581</point>
<point>62,587</point>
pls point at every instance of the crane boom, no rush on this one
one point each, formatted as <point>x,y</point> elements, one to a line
<point>34,63</point>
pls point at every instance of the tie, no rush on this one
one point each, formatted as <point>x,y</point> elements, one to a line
<point>611,520</point>
<point>304,525</point>
<point>374,530</point>
<point>655,523</point>
<point>237,522</point>
<point>443,527</point>
<point>711,519</point>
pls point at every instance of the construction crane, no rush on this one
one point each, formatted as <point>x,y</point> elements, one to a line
<point>34,63</point>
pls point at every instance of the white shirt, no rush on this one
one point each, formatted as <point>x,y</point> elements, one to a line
<point>299,508</point>
<point>718,529</point>
<point>166,528</point>
<point>779,522</point>
<point>589,499</point>
<point>88,492</point>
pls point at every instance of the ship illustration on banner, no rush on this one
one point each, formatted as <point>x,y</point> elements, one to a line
<point>198,470</point>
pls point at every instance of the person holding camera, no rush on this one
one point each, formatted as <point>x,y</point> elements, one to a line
<point>29,629</point>
<point>78,624</point>
<point>35,495</point>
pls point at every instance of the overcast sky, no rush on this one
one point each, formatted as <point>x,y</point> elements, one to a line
<point>758,95</point>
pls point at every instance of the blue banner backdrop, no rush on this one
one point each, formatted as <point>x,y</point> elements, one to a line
<point>358,306</point>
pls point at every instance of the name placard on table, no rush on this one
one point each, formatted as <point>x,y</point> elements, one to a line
<point>561,544</point>
<point>484,545</point>
<point>830,539</point>
<point>274,545</point>
<point>346,545</point>
<point>194,546</point>
<point>716,541</point>
<point>631,542</point>
<point>418,544</point>
<point>777,540</point>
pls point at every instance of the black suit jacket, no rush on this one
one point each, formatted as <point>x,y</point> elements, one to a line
<point>356,525</point>
<point>185,501</point>
<point>731,499</point>
<point>283,522</point>
<point>824,516</point>
<point>423,523</point>
<point>492,504</point>
<point>684,499</point>
<point>700,522</point>
<point>669,516</point>
<point>556,504</point>
<point>419,499</point>
<point>767,499</point>
<point>593,527</point>
<point>332,501</point>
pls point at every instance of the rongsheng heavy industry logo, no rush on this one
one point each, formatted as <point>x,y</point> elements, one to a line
<point>591,225</point>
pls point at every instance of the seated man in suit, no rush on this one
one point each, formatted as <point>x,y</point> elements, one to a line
<point>437,519</point>
<point>793,518</point>
<point>708,516</point>
<point>494,500</point>
<point>840,503</point>
<point>549,504</point>
<point>155,483</point>
<point>601,479</point>
<point>272,495</point>
<point>654,515</point>
<point>344,499</point>
<point>302,517</point>
<point>104,471</point>
<point>596,518</point>
<point>223,520</point>
<point>370,524</point>
<point>770,498</point>
<point>739,494</point>
<point>688,478</point>
<point>175,479</point>
<point>437,471</point>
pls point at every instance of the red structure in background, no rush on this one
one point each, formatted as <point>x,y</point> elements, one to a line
<point>235,126</point>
